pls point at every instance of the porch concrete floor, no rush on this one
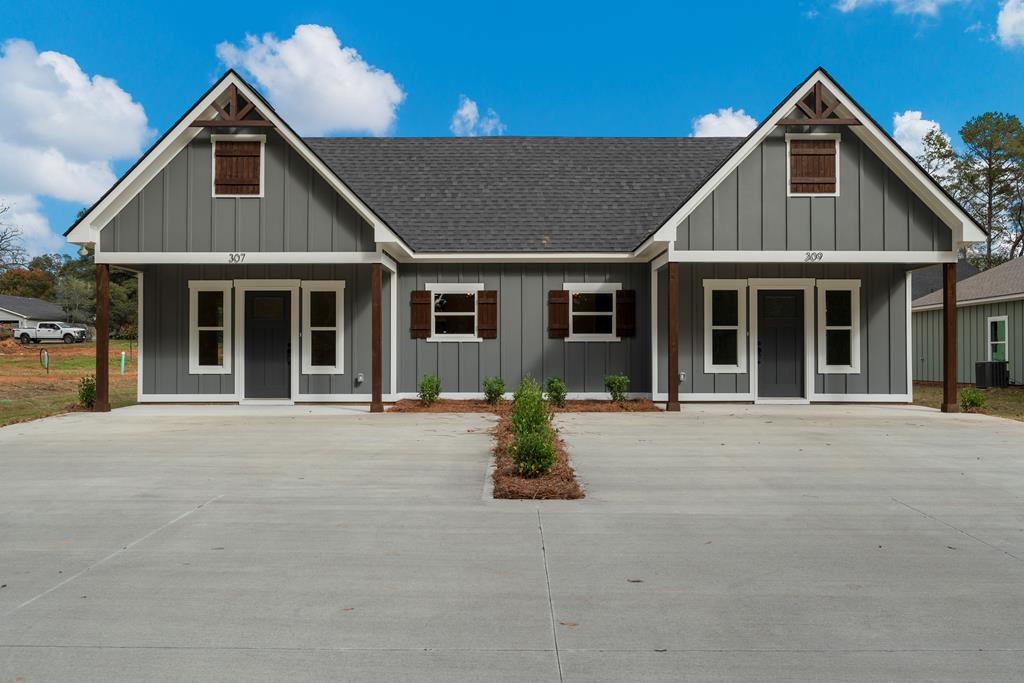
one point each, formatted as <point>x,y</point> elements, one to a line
<point>722,543</point>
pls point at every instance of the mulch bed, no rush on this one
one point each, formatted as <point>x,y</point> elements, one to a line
<point>444,405</point>
<point>448,405</point>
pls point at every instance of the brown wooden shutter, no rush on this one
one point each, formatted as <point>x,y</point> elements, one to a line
<point>558,314</point>
<point>419,314</point>
<point>625,313</point>
<point>237,167</point>
<point>487,314</point>
<point>812,166</point>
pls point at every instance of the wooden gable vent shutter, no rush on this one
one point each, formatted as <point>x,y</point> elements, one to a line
<point>487,314</point>
<point>237,170</point>
<point>812,166</point>
<point>558,314</point>
<point>625,313</point>
<point>419,314</point>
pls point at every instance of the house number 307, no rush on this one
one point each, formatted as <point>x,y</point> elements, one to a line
<point>236,258</point>
<point>813,256</point>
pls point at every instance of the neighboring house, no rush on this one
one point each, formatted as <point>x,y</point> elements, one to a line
<point>928,280</point>
<point>990,324</point>
<point>774,267</point>
<point>26,311</point>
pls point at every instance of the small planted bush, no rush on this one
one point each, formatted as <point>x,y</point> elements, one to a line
<point>494,389</point>
<point>971,400</point>
<point>557,391</point>
<point>429,389</point>
<point>529,412</point>
<point>87,391</point>
<point>617,386</point>
<point>533,447</point>
<point>533,452</point>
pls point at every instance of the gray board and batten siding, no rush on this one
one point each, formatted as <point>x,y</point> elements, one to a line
<point>883,327</point>
<point>522,346</point>
<point>875,210</point>
<point>165,366</point>
<point>298,212</point>
<point>971,340</point>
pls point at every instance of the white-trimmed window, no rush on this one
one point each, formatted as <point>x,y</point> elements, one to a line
<point>725,326</point>
<point>839,326</point>
<point>323,327</point>
<point>209,327</point>
<point>453,311</point>
<point>238,165</point>
<point>592,310</point>
<point>998,340</point>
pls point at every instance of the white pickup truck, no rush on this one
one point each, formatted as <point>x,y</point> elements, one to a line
<point>50,332</point>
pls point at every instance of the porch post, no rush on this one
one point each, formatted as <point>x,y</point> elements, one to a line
<point>949,398</point>
<point>376,402</point>
<point>672,296</point>
<point>102,338</point>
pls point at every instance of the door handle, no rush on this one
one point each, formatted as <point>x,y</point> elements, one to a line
<point>289,353</point>
<point>759,352</point>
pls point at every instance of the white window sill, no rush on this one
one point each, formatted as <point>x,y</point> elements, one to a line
<point>813,194</point>
<point>322,370</point>
<point>838,370</point>
<point>725,370</point>
<point>238,196</point>
<point>592,338</point>
<point>209,370</point>
<point>454,338</point>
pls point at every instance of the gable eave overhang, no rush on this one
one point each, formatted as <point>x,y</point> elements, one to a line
<point>86,229</point>
<point>965,229</point>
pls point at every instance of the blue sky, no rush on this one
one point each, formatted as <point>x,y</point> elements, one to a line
<point>541,68</point>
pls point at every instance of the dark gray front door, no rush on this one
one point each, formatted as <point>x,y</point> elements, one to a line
<point>780,344</point>
<point>267,345</point>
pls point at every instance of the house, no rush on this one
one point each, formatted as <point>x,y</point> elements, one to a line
<point>990,325</point>
<point>273,267</point>
<point>26,311</point>
<point>928,280</point>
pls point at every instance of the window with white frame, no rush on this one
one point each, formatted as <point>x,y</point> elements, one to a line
<point>839,326</point>
<point>592,310</point>
<point>323,325</point>
<point>998,343</point>
<point>209,315</point>
<point>453,311</point>
<point>725,326</point>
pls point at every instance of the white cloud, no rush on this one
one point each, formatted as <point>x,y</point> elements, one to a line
<point>60,129</point>
<point>467,122</point>
<point>927,7</point>
<point>726,123</point>
<point>909,129</point>
<point>26,214</point>
<point>317,85</point>
<point>1010,24</point>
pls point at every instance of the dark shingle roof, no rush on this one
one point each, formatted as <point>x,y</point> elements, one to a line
<point>1006,279</point>
<point>928,280</point>
<point>29,307</point>
<point>520,194</point>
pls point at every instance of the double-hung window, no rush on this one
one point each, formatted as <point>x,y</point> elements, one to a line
<point>323,327</point>
<point>592,310</point>
<point>997,338</point>
<point>453,311</point>
<point>725,326</point>
<point>209,315</point>
<point>839,326</point>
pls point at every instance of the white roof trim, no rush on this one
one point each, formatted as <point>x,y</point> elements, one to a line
<point>964,303</point>
<point>88,229</point>
<point>964,228</point>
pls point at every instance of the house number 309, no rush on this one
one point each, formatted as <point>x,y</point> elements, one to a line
<point>813,256</point>
<point>236,258</point>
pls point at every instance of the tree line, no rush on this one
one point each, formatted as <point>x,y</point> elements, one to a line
<point>69,282</point>
<point>986,176</point>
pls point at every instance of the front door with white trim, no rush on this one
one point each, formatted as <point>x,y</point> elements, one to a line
<point>780,343</point>
<point>268,345</point>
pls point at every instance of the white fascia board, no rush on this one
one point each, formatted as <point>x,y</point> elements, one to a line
<point>812,256</point>
<point>240,257</point>
<point>972,302</point>
<point>964,229</point>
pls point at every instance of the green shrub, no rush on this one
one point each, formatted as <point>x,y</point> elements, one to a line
<point>533,452</point>
<point>87,391</point>
<point>430,389</point>
<point>617,386</point>
<point>972,399</point>
<point>557,391</point>
<point>529,411</point>
<point>494,389</point>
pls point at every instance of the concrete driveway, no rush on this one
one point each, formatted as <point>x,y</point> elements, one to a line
<point>723,543</point>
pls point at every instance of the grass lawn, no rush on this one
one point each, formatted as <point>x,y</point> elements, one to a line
<point>1008,403</point>
<point>28,392</point>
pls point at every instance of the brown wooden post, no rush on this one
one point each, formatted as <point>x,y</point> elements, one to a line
<point>949,398</point>
<point>672,295</point>
<point>376,401</point>
<point>102,338</point>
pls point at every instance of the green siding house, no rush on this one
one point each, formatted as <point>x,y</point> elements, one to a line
<point>990,325</point>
